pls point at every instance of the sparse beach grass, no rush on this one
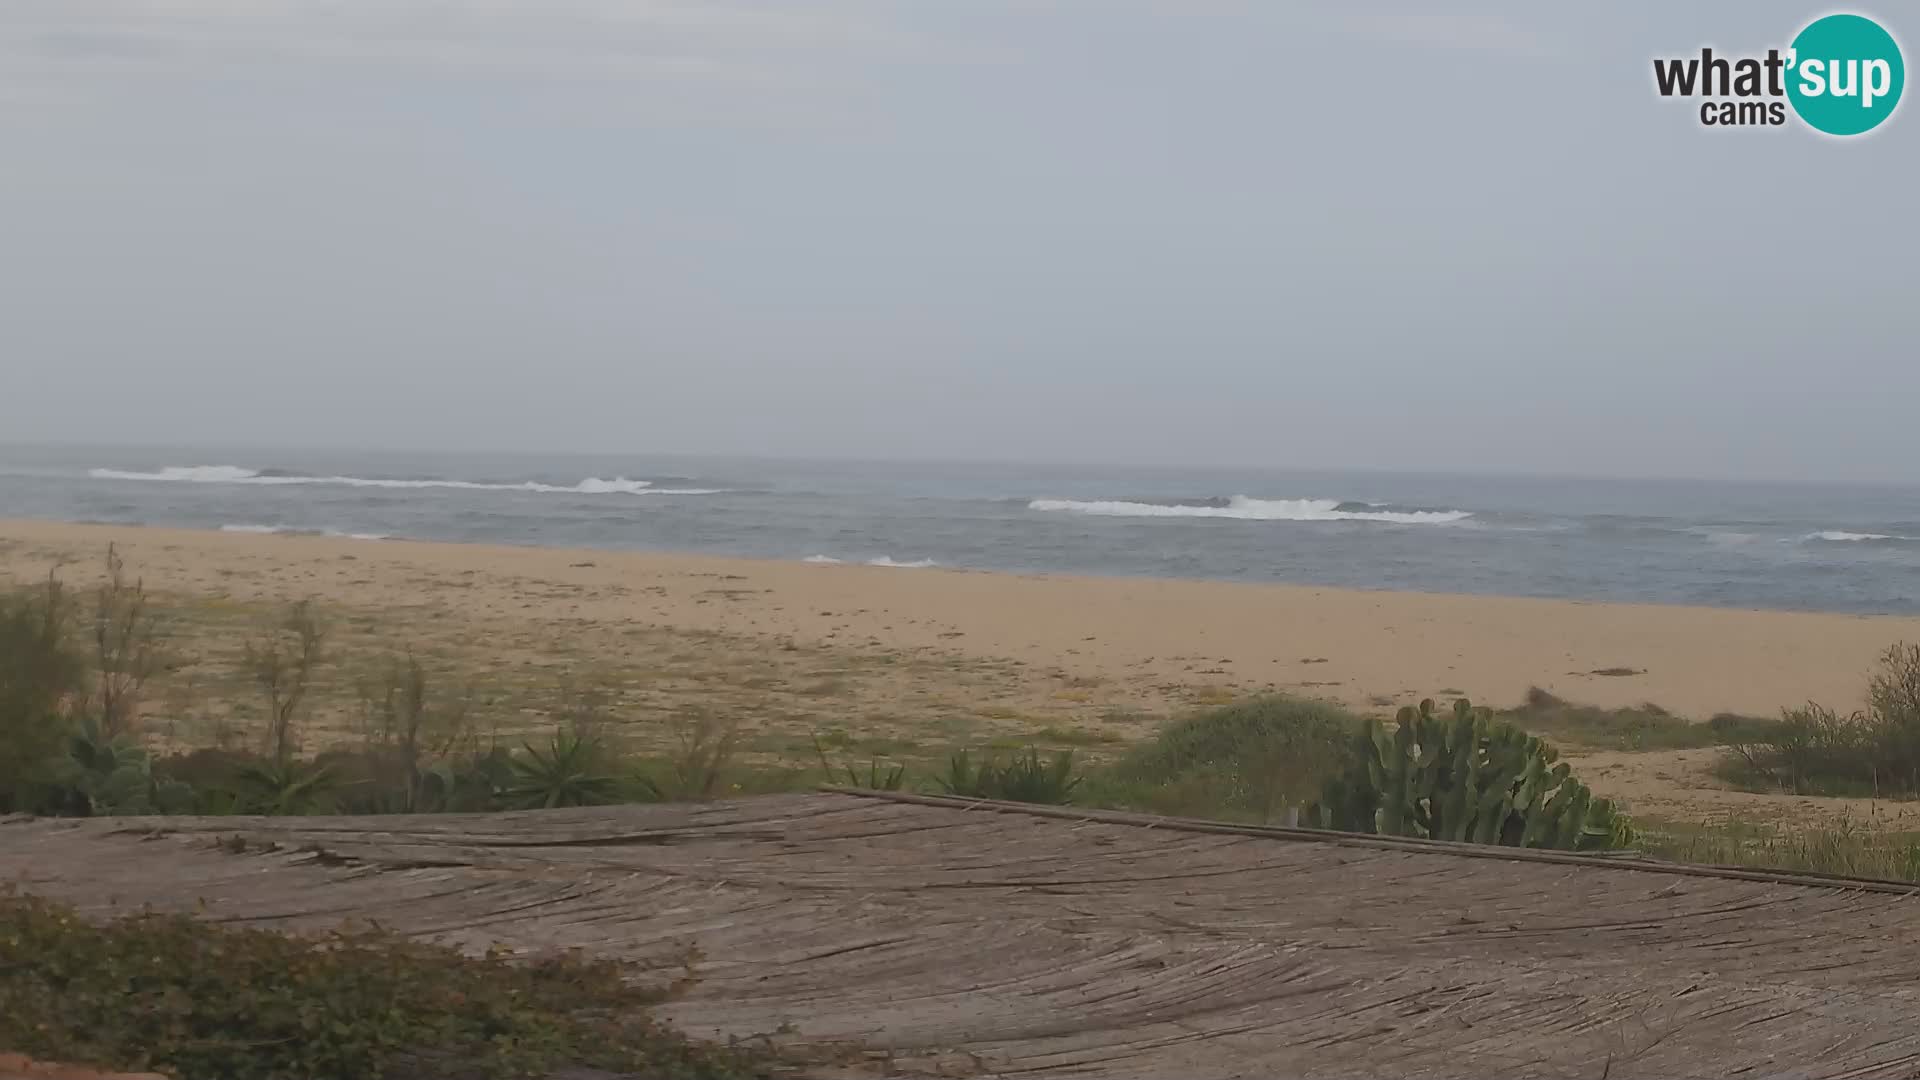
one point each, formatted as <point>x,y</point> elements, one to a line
<point>1869,846</point>
<point>647,675</point>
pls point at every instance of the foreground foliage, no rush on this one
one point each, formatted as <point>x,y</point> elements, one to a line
<point>192,999</point>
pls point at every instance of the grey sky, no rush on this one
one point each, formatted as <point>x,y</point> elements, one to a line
<point>1177,231</point>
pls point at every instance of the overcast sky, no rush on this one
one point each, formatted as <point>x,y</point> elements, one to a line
<point>1177,231</point>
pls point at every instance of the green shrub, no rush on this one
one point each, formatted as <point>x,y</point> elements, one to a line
<point>1893,711</point>
<point>1024,778</point>
<point>1467,777</point>
<point>113,775</point>
<point>1811,749</point>
<point>1731,729</point>
<point>284,787</point>
<point>1257,760</point>
<point>572,769</point>
<point>1817,751</point>
<point>42,673</point>
<point>1642,727</point>
<point>194,999</point>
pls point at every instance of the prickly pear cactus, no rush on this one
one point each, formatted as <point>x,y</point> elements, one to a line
<point>1465,777</point>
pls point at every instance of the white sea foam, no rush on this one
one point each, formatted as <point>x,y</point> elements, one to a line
<point>879,560</point>
<point>288,530</point>
<point>1841,536</point>
<point>197,474</point>
<point>234,474</point>
<point>1246,509</point>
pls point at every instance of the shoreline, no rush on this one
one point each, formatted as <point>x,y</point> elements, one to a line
<point>886,562</point>
<point>1364,648</point>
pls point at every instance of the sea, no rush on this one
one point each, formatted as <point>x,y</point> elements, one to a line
<point>1744,545</point>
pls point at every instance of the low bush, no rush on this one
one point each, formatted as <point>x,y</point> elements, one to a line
<point>42,674</point>
<point>193,999</point>
<point>1255,760</point>
<point>1815,750</point>
<point>1641,727</point>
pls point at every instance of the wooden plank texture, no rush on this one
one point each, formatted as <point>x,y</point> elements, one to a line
<point>981,940</point>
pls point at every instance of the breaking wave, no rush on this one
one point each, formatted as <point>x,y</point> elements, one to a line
<point>880,560</point>
<point>1246,509</point>
<point>234,474</point>
<point>288,530</point>
<point>1841,536</point>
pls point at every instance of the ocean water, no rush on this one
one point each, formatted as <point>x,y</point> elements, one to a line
<point>1801,547</point>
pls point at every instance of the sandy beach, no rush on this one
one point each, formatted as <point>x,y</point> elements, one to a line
<point>1348,645</point>
<point>898,658</point>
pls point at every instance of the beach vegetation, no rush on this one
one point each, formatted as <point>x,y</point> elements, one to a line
<point>125,637</point>
<point>192,998</point>
<point>1261,759</point>
<point>878,775</point>
<point>1020,778</point>
<point>1464,776</point>
<point>706,747</point>
<point>1074,736</point>
<point>283,661</point>
<point>282,787</point>
<point>1815,750</point>
<point>412,728</point>
<point>570,769</point>
<point>1851,847</point>
<point>41,667</point>
<point>1639,727</point>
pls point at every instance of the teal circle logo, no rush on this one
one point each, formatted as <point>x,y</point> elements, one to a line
<point>1845,74</point>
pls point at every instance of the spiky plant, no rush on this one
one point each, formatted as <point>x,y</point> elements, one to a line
<point>1026,778</point>
<point>567,771</point>
<point>285,788</point>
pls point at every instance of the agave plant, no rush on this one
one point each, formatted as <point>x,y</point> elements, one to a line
<point>111,775</point>
<point>284,788</point>
<point>565,772</point>
<point>1024,779</point>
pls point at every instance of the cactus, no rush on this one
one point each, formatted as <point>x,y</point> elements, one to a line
<point>1467,778</point>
